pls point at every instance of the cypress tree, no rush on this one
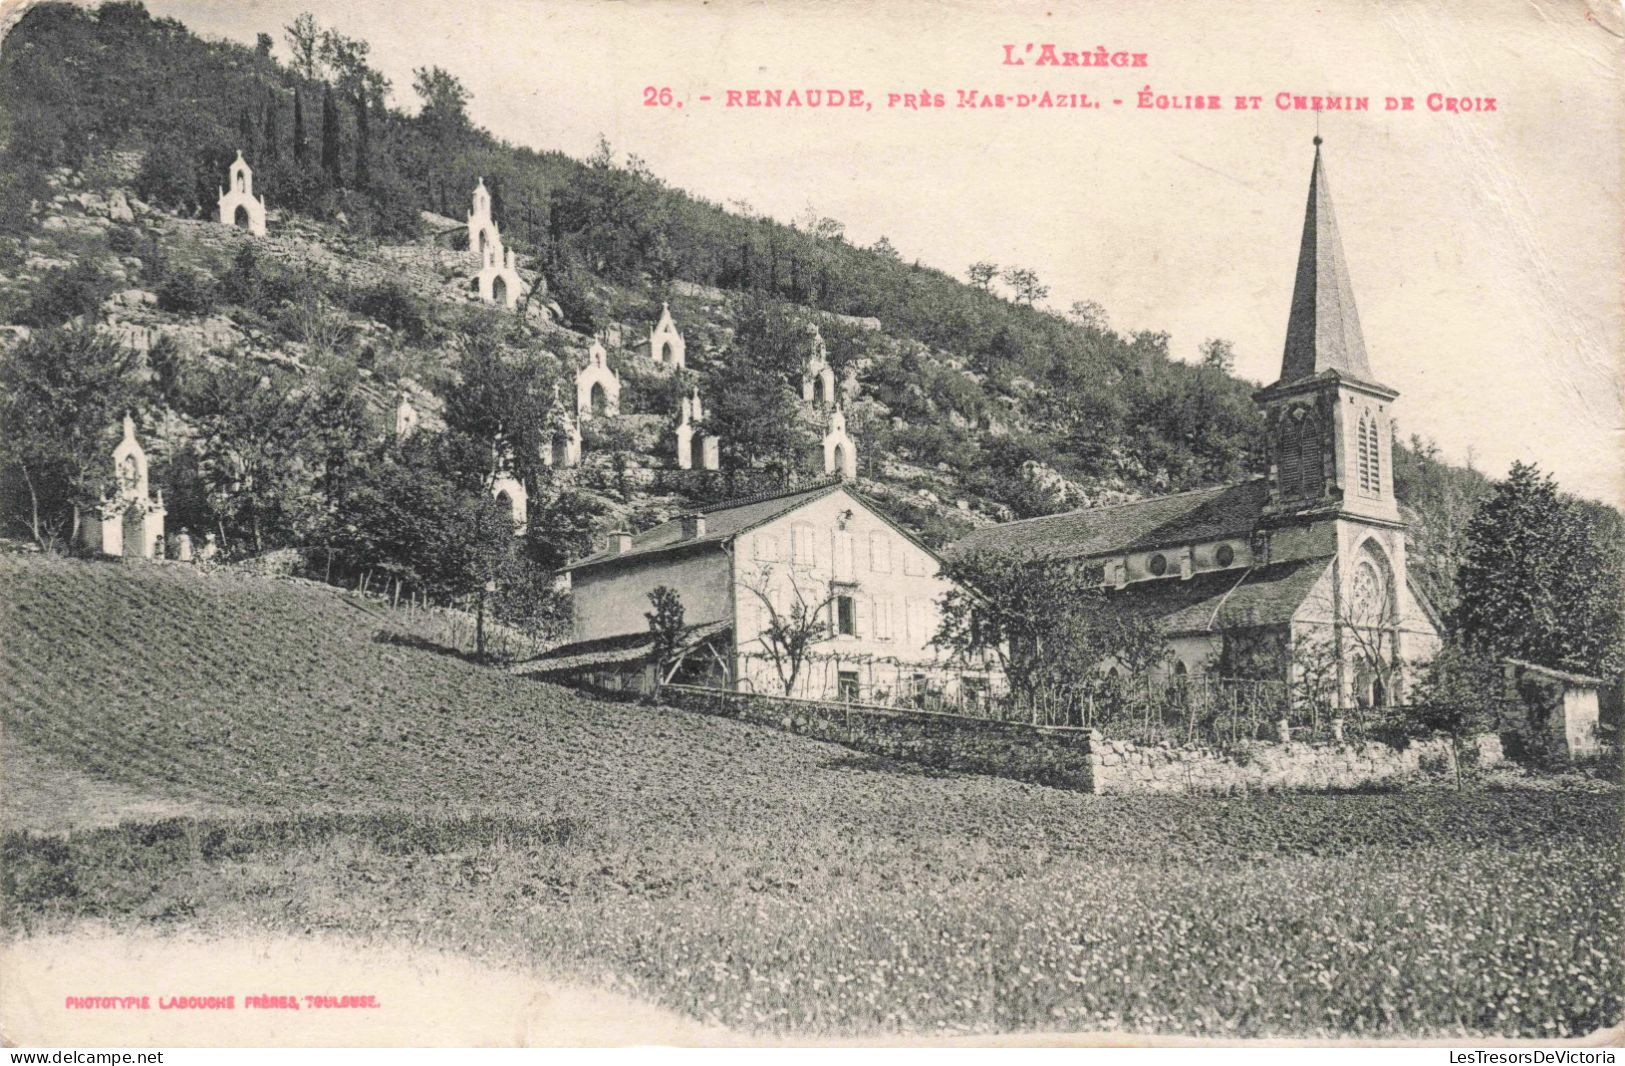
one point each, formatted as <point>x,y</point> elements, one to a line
<point>270,149</point>
<point>362,141</point>
<point>330,138</point>
<point>300,149</point>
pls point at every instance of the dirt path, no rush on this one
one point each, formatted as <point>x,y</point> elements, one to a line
<point>423,998</point>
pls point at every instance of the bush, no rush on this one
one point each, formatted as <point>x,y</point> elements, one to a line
<point>66,293</point>
<point>393,304</point>
<point>258,285</point>
<point>188,293</point>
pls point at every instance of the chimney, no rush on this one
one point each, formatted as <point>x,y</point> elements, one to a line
<point>693,526</point>
<point>620,542</point>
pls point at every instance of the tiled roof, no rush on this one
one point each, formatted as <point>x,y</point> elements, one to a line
<point>1323,327</point>
<point>723,521</point>
<point>1205,514</point>
<point>1224,599</point>
<point>602,651</point>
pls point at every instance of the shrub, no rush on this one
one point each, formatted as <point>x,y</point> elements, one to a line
<point>188,293</point>
<point>66,293</point>
<point>393,304</point>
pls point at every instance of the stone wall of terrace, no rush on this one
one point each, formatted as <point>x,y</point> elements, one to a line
<point>1083,760</point>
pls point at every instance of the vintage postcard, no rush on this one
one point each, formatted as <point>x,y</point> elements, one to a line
<point>559,522</point>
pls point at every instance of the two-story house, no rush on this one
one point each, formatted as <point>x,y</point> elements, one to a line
<point>818,562</point>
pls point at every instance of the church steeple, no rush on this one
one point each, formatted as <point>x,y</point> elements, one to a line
<point>1323,330</point>
<point>1330,442</point>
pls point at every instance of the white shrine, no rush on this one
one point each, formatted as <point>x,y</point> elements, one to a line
<point>598,388</point>
<point>508,490</point>
<point>665,342</point>
<point>710,446</point>
<point>840,454</point>
<point>406,418</point>
<point>129,521</point>
<point>817,377</point>
<point>498,279</point>
<point>561,446</point>
<point>238,205</point>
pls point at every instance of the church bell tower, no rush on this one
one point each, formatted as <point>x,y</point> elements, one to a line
<point>1329,422</point>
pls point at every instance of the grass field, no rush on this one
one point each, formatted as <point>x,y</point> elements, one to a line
<point>336,774</point>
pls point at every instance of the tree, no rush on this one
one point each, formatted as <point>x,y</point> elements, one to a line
<point>252,428</point>
<point>797,619</point>
<point>1025,284</point>
<point>982,273</point>
<point>263,44</point>
<point>666,623</point>
<point>444,114</point>
<point>885,248</point>
<point>363,144</point>
<point>1218,354</point>
<point>304,39</point>
<point>1540,577</point>
<point>1458,693</point>
<point>300,148</point>
<point>330,138</point>
<point>1088,314</point>
<point>63,394</point>
<point>1044,620</point>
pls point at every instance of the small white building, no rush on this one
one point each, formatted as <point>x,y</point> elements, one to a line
<point>693,411</point>
<point>1559,703</point>
<point>598,388</point>
<point>666,345</point>
<point>840,453</point>
<point>483,235</point>
<point>129,520</point>
<point>561,441</point>
<point>817,377</point>
<point>871,589</point>
<point>238,205</point>
<point>498,279</point>
<point>406,418</point>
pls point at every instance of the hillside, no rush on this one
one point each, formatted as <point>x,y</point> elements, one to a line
<point>969,407</point>
<point>340,775</point>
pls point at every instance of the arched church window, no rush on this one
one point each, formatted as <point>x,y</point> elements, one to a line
<point>1368,595</point>
<point>1370,456</point>
<point>1298,458</point>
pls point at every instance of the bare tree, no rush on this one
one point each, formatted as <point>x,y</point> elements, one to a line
<point>790,634</point>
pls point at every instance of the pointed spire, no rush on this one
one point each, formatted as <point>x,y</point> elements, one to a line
<point>1323,329</point>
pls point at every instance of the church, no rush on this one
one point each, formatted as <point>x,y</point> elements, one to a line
<point>1308,553</point>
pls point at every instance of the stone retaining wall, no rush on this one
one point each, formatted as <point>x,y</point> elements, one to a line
<point>1081,759</point>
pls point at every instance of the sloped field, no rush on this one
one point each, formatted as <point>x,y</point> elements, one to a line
<point>345,778</point>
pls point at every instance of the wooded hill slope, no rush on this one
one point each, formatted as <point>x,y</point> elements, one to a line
<point>971,407</point>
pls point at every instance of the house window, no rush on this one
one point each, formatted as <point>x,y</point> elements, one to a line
<point>913,563</point>
<point>879,553</point>
<point>1159,564</point>
<point>882,618</point>
<point>1225,555</point>
<point>843,555</point>
<point>846,616</point>
<point>802,548</point>
<point>767,546</point>
<point>846,686</point>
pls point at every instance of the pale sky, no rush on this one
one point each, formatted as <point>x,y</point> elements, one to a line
<point>1485,249</point>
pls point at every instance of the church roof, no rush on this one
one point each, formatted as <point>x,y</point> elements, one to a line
<point>1224,599</point>
<point>1204,514</point>
<point>1323,328</point>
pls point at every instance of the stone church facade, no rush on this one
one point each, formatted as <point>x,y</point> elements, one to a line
<point>1307,557</point>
